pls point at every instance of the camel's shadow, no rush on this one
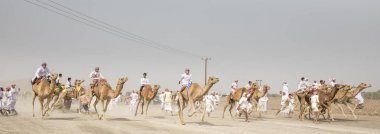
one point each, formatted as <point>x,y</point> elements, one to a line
<point>206,124</point>
<point>343,120</point>
<point>158,117</point>
<point>61,118</point>
<point>118,119</point>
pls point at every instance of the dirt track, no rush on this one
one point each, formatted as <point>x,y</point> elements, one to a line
<point>120,120</point>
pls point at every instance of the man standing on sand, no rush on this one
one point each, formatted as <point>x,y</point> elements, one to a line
<point>360,100</point>
<point>168,101</point>
<point>134,98</point>
<point>243,106</point>
<point>209,102</point>
<point>217,97</point>
<point>161,98</point>
<point>12,99</point>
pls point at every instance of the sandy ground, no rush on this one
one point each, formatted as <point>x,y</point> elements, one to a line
<point>121,120</point>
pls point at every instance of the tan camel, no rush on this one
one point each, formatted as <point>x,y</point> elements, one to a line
<point>104,94</point>
<point>66,95</point>
<point>146,95</point>
<point>346,100</point>
<point>44,91</point>
<point>232,99</point>
<point>256,95</point>
<point>196,92</point>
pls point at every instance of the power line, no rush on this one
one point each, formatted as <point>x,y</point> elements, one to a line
<point>101,25</point>
<point>120,29</point>
<point>128,37</point>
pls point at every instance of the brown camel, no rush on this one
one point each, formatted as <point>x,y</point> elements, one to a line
<point>146,95</point>
<point>256,95</point>
<point>232,99</point>
<point>196,92</point>
<point>43,90</point>
<point>329,97</point>
<point>346,100</point>
<point>104,94</point>
<point>326,96</point>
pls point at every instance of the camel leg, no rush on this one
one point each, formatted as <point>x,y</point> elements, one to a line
<point>34,98</point>
<point>192,104</point>
<point>105,109</point>
<point>137,107</point>
<point>225,107</point>
<point>342,110</point>
<point>54,101</point>
<point>47,108</point>
<point>95,103</point>
<point>331,114</point>
<point>203,107</point>
<point>181,108</point>
<point>146,107</point>
<point>352,111</point>
<point>232,107</point>
<point>142,107</point>
<point>42,106</point>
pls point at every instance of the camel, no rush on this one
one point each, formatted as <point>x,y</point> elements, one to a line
<point>66,95</point>
<point>346,100</point>
<point>44,91</point>
<point>146,95</point>
<point>232,99</point>
<point>104,94</point>
<point>256,95</point>
<point>330,97</point>
<point>326,97</point>
<point>196,92</point>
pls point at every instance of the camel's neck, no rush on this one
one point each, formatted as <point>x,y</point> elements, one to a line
<point>153,94</point>
<point>117,91</point>
<point>265,91</point>
<point>52,85</point>
<point>356,91</point>
<point>334,91</point>
<point>206,89</point>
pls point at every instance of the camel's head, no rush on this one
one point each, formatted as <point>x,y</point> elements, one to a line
<point>78,82</point>
<point>54,76</point>
<point>156,87</point>
<point>121,81</point>
<point>255,86</point>
<point>266,87</point>
<point>363,85</point>
<point>213,80</point>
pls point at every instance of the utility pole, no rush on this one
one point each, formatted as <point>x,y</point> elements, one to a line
<point>259,81</point>
<point>206,60</point>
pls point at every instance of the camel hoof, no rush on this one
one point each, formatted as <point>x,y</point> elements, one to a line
<point>191,114</point>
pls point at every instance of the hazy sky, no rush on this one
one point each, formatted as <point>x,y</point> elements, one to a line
<point>272,40</point>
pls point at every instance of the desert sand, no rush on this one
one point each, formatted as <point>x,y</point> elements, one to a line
<point>121,120</point>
